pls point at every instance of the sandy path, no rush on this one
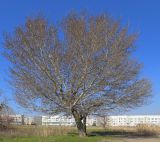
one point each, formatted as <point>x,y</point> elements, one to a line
<point>142,140</point>
<point>134,140</point>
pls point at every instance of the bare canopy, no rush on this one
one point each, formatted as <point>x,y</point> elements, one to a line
<point>78,67</point>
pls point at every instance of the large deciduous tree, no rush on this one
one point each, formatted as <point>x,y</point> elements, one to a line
<point>78,67</point>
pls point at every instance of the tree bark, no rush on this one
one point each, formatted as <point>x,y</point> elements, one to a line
<point>80,123</point>
<point>84,124</point>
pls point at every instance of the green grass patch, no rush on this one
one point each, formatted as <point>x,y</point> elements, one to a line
<point>55,139</point>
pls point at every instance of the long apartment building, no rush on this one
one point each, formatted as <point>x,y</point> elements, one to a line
<point>133,120</point>
<point>61,120</point>
<point>58,120</point>
<point>21,119</point>
<point>119,120</point>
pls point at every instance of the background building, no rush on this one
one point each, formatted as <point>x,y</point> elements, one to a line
<point>55,120</point>
<point>129,120</point>
<point>21,119</point>
<point>58,120</point>
<point>62,120</point>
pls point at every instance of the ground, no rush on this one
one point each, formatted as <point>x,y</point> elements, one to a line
<point>77,139</point>
<point>135,140</point>
<point>65,134</point>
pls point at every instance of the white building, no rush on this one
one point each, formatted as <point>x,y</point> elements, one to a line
<point>58,120</point>
<point>21,119</point>
<point>91,121</point>
<point>64,120</point>
<point>28,120</point>
<point>17,119</point>
<point>119,120</point>
<point>133,120</point>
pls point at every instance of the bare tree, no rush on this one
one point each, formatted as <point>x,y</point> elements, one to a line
<point>5,119</point>
<point>5,111</point>
<point>104,121</point>
<point>78,67</point>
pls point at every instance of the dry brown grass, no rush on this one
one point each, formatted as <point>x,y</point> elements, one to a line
<point>40,131</point>
<point>45,131</point>
<point>139,130</point>
<point>147,130</point>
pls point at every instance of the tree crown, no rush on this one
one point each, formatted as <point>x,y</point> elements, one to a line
<point>85,65</point>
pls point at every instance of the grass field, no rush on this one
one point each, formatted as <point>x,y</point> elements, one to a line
<point>78,139</point>
<point>68,134</point>
<point>54,139</point>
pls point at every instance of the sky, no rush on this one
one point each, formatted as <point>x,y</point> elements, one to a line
<point>142,16</point>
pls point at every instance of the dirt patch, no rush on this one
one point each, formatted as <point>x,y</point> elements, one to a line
<point>133,140</point>
<point>141,140</point>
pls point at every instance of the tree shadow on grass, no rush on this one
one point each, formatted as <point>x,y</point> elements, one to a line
<point>102,133</point>
<point>72,134</point>
<point>119,134</point>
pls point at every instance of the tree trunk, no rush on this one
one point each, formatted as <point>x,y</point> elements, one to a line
<point>80,123</point>
<point>81,128</point>
<point>84,124</point>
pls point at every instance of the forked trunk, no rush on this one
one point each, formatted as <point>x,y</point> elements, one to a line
<point>80,123</point>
